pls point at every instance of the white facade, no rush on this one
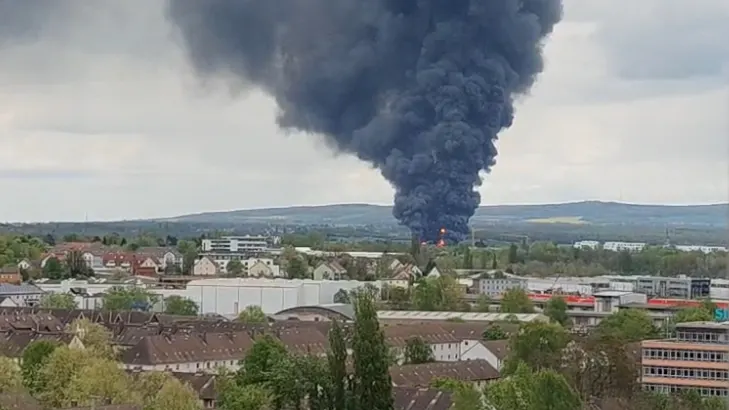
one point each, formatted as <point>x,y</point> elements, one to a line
<point>610,300</point>
<point>624,246</point>
<point>492,287</point>
<point>236,244</point>
<point>354,254</point>
<point>210,366</point>
<point>587,244</point>
<point>229,296</point>
<point>700,248</point>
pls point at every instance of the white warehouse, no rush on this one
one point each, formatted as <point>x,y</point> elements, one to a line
<point>228,296</point>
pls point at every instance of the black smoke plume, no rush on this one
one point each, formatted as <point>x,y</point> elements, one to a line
<point>418,88</point>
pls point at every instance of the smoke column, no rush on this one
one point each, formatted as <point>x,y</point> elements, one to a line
<point>417,88</point>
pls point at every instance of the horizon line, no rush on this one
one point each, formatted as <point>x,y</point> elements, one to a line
<point>263,208</point>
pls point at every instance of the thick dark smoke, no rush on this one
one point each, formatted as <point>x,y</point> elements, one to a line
<point>418,88</point>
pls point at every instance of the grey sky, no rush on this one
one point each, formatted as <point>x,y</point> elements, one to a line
<point>100,114</point>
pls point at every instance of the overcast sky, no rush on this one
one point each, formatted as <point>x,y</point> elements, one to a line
<point>100,115</point>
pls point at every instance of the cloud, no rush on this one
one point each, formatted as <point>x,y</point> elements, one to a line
<point>101,114</point>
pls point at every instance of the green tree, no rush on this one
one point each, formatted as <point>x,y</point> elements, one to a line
<point>253,314</point>
<point>601,366</point>
<point>34,357</point>
<point>11,378</point>
<point>631,325</point>
<point>337,360</point>
<point>58,301</point>
<point>263,356</point>
<point>297,268</point>
<point>76,265</point>
<point>118,298</point>
<point>483,304</point>
<point>437,294</point>
<point>516,300</point>
<point>56,376</point>
<point>178,305</point>
<point>693,315</point>
<point>417,351</point>
<point>342,296</point>
<point>95,337</point>
<point>161,391</point>
<point>54,269</point>
<point>372,385</point>
<point>494,332</point>
<point>538,345</point>
<point>513,254</point>
<point>97,381</point>
<point>556,310</point>
<point>532,390</point>
<point>234,268</point>
<point>244,397</point>
<point>188,250</point>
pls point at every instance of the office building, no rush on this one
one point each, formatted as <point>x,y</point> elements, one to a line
<point>237,244</point>
<point>679,288</point>
<point>696,359</point>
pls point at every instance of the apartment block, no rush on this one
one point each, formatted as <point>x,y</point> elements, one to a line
<point>696,359</point>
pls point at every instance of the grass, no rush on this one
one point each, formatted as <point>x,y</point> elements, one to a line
<point>573,220</point>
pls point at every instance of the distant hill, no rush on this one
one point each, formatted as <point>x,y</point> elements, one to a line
<point>588,212</point>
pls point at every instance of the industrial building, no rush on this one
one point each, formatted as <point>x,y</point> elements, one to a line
<point>229,296</point>
<point>680,288</point>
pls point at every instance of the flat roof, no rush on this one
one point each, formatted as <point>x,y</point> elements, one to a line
<point>612,293</point>
<point>465,316</point>
<point>704,325</point>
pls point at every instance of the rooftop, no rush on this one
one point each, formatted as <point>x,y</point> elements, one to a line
<point>25,289</point>
<point>465,316</point>
<point>704,325</point>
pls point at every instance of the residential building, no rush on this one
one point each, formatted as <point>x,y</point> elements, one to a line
<point>697,359</point>
<point>21,295</point>
<point>13,343</point>
<point>498,350</point>
<point>203,352</point>
<point>163,256</point>
<point>624,246</point>
<point>494,284</point>
<point>10,274</point>
<point>118,260</point>
<point>587,244</point>
<point>261,268</point>
<point>681,287</point>
<point>329,271</point>
<point>146,266</point>
<point>205,266</point>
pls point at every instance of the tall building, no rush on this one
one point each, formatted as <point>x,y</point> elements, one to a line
<point>696,359</point>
